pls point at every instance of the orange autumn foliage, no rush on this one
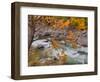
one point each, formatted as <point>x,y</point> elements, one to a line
<point>81,26</point>
<point>61,22</point>
<point>62,58</point>
<point>78,23</point>
<point>71,38</point>
<point>66,23</point>
<point>55,44</point>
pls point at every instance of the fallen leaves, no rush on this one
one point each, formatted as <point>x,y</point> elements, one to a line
<point>62,58</point>
<point>58,28</point>
<point>55,43</point>
<point>71,38</point>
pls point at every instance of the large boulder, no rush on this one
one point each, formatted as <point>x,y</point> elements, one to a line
<point>83,39</point>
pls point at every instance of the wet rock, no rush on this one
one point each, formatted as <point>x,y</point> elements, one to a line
<point>43,43</point>
<point>83,39</point>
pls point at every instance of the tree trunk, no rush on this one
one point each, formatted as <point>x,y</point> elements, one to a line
<point>31,30</point>
<point>30,37</point>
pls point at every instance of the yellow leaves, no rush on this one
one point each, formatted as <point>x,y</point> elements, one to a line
<point>78,23</point>
<point>71,38</point>
<point>34,63</point>
<point>82,25</point>
<point>33,57</point>
<point>55,22</point>
<point>62,58</point>
<point>58,22</point>
<point>66,23</point>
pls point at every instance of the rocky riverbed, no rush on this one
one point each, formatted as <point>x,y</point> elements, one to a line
<point>42,53</point>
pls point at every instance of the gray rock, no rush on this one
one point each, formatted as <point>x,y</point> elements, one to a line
<point>83,39</point>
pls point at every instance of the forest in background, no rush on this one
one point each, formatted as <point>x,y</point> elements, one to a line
<point>57,40</point>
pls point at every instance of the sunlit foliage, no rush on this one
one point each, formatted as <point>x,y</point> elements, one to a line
<point>68,27</point>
